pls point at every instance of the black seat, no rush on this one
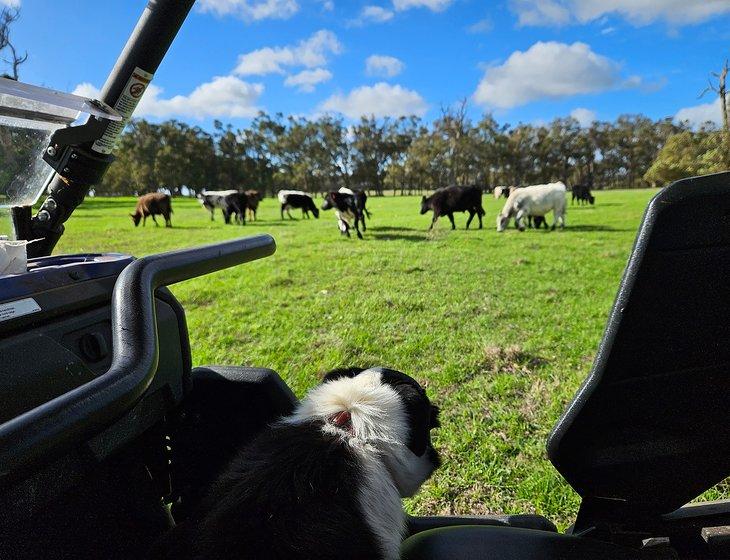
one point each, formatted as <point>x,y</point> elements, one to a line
<point>507,543</point>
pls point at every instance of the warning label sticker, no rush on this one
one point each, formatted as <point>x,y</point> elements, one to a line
<point>125,106</point>
<point>18,308</point>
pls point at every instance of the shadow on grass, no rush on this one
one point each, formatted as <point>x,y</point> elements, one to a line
<point>388,228</point>
<point>398,237</point>
<point>591,227</point>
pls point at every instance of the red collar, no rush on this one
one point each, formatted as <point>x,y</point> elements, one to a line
<point>343,421</point>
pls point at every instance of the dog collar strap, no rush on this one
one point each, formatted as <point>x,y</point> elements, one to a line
<point>343,421</point>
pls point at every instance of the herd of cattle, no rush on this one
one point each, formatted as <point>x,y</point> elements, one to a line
<point>528,206</point>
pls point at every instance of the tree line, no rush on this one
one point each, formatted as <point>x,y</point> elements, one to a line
<point>405,154</point>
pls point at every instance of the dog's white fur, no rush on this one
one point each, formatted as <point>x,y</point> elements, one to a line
<point>379,433</point>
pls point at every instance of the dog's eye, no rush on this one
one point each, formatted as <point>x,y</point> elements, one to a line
<point>434,421</point>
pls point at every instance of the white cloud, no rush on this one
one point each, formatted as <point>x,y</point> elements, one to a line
<point>385,66</point>
<point>638,12</point>
<point>328,5</point>
<point>223,96</point>
<point>251,10</point>
<point>585,117</point>
<point>433,5</point>
<point>549,70</point>
<point>374,14</point>
<point>380,100</point>
<point>700,114</point>
<point>310,53</point>
<point>482,26</point>
<point>306,80</point>
<point>10,3</point>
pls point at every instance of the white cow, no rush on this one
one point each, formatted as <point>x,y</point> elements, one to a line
<point>536,200</point>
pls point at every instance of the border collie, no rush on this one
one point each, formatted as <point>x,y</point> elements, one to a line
<point>324,483</point>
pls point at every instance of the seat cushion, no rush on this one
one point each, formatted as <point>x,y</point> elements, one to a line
<point>470,542</point>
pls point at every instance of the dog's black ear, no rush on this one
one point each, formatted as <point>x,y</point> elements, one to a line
<point>420,412</point>
<point>341,372</point>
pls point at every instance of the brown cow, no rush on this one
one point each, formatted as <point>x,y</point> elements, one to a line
<point>253,203</point>
<point>150,205</point>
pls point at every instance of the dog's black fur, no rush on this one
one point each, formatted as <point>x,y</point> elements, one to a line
<point>292,493</point>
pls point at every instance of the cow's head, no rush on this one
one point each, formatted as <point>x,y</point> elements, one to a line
<point>502,222</point>
<point>329,201</point>
<point>591,199</point>
<point>425,204</point>
<point>136,218</point>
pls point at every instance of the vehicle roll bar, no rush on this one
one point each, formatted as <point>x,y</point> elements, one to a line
<point>87,409</point>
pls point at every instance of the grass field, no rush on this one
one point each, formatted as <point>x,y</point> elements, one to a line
<point>501,328</point>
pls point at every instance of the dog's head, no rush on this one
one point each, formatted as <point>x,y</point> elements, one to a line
<point>382,410</point>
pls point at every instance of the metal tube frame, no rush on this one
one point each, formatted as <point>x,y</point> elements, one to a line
<point>145,49</point>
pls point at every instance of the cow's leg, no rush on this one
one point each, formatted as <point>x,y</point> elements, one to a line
<point>471,217</point>
<point>282,211</point>
<point>362,221</point>
<point>357,229</point>
<point>144,220</point>
<point>154,220</point>
<point>451,219</point>
<point>433,221</point>
<point>518,220</point>
<point>168,221</point>
<point>480,213</point>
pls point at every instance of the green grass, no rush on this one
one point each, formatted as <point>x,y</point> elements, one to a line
<point>500,328</point>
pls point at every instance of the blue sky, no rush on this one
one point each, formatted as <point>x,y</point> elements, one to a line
<point>523,60</point>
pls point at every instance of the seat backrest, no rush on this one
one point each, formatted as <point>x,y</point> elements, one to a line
<point>650,424</point>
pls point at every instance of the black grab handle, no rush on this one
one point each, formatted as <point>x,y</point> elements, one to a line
<point>92,406</point>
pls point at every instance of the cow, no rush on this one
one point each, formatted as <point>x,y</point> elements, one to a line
<point>536,200</point>
<point>347,209</point>
<point>150,205</point>
<point>297,199</point>
<point>583,194</point>
<point>231,203</point>
<point>444,202</point>
<point>361,199</point>
<point>253,197</point>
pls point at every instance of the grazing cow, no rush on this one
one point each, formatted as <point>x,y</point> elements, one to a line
<point>297,199</point>
<point>444,202</point>
<point>583,194</point>
<point>361,198</point>
<point>347,209</point>
<point>253,197</point>
<point>231,202</point>
<point>150,205</point>
<point>536,200</point>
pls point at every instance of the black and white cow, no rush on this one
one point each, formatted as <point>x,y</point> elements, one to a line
<point>297,199</point>
<point>361,198</point>
<point>231,202</point>
<point>347,209</point>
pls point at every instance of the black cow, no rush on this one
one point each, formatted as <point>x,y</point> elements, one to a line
<point>583,194</point>
<point>347,208</point>
<point>231,203</point>
<point>444,202</point>
<point>361,199</point>
<point>297,199</point>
